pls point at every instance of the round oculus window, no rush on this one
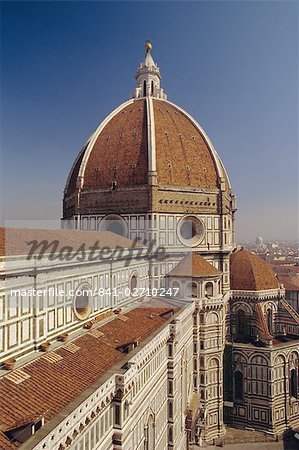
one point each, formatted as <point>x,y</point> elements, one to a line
<point>115,224</point>
<point>82,304</point>
<point>190,231</point>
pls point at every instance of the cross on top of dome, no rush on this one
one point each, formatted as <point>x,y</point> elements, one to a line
<point>148,77</point>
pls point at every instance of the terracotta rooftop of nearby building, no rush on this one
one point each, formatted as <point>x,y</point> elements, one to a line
<point>54,380</point>
<point>248,272</point>
<point>290,282</point>
<point>15,241</point>
<point>194,265</point>
<point>5,444</point>
<point>281,268</point>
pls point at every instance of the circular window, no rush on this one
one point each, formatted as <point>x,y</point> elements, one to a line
<point>82,304</point>
<point>190,231</point>
<point>115,224</point>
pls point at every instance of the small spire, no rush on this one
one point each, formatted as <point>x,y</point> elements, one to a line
<point>148,77</point>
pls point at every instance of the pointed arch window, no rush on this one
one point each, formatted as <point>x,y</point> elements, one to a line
<point>270,320</point>
<point>209,289</point>
<point>144,88</point>
<point>294,383</point>
<point>152,87</point>
<point>238,386</point>
<point>241,323</point>
<point>194,289</point>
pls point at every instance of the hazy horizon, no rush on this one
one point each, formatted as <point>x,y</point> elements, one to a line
<point>232,65</point>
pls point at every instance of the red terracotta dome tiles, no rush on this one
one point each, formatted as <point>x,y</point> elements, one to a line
<point>180,144</point>
<point>120,151</point>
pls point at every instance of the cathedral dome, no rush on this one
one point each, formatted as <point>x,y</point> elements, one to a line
<point>248,272</point>
<point>144,136</point>
<point>147,140</point>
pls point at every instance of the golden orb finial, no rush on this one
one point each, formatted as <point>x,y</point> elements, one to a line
<point>148,45</point>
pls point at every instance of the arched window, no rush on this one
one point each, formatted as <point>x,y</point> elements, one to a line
<point>294,384</point>
<point>270,320</point>
<point>209,289</point>
<point>176,289</point>
<point>241,324</point>
<point>194,290</point>
<point>133,282</point>
<point>150,433</point>
<point>238,386</point>
<point>170,410</point>
<point>144,88</point>
<point>212,318</point>
<point>152,88</point>
<point>189,289</point>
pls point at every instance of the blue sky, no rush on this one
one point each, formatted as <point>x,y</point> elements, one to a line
<point>232,65</point>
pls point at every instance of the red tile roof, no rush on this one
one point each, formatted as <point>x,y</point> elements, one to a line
<point>180,145</point>
<point>194,265</point>
<point>290,282</point>
<point>248,272</point>
<point>52,385</point>
<point>124,138</point>
<point>280,268</point>
<point>5,443</point>
<point>121,144</point>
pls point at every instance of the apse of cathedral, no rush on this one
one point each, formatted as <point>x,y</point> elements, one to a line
<point>140,324</point>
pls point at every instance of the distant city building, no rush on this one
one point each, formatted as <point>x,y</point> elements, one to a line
<point>107,345</point>
<point>259,240</point>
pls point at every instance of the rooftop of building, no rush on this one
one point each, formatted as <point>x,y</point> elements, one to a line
<point>290,281</point>
<point>43,387</point>
<point>248,272</point>
<point>194,265</point>
<point>278,340</point>
<point>282,268</point>
<point>17,241</point>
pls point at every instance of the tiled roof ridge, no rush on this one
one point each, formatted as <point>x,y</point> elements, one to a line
<point>267,335</point>
<point>250,272</point>
<point>290,310</point>
<point>21,402</point>
<point>189,266</point>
